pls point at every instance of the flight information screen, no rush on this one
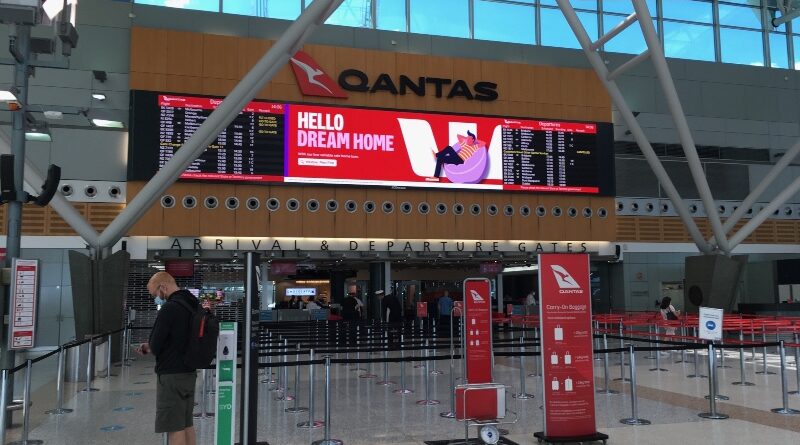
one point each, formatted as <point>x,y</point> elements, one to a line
<point>322,144</point>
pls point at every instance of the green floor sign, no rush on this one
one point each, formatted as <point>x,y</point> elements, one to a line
<point>226,385</point>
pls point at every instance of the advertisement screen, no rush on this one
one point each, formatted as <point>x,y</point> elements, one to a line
<point>321,144</point>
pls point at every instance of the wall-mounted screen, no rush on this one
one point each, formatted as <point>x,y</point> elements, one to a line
<point>321,144</point>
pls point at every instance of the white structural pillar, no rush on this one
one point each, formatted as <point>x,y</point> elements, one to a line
<point>765,213</point>
<point>748,202</point>
<point>679,118</point>
<point>261,73</point>
<point>600,68</point>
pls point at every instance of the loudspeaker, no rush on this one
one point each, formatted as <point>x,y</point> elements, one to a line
<point>50,186</point>
<point>712,281</point>
<point>7,190</point>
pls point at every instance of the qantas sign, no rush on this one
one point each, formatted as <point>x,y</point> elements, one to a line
<point>314,81</point>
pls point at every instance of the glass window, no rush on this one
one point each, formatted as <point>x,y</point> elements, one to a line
<point>630,41</point>
<point>556,30</point>
<point>200,5</point>
<point>778,51</point>
<point>577,4</point>
<point>741,46</point>
<point>796,42</point>
<point>355,13</point>
<point>441,18</point>
<point>689,10</point>
<point>391,15</point>
<point>276,9</point>
<point>626,7</point>
<point>686,41</point>
<point>504,22</point>
<point>739,16</point>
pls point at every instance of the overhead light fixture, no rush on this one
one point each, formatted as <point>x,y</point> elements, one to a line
<point>98,96</point>
<point>53,114</point>
<point>104,123</point>
<point>38,131</point>
<point>7,96</point>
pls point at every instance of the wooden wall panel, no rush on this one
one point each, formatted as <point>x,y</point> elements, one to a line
<point>152,221</point>
<point>350,225</point>
<point>219,221</point>
<point>379,224</point>
<point>469,226</point>
<point>786,232</point>
<point>413,225</point>
<point>184,53</point>
<point>3,220</point>
<point>179,221</point>
<point>440,226</point>
<point>147,81</point>
<point>56,226</point>
<point>603,229</point>
<point>552,227</point>
<point>149,54</point>
<point>184,84</point>
<point>524,227</point>
<point>496,227</point>
<point>319,224</point>
<point>221,56</point>
<point>252,222</point>
<point>578,227</point>
<point>100,215</point>
<point>217,87</point>
<point>283,222</point>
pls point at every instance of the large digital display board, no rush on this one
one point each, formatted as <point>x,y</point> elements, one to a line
<point>322,144</point>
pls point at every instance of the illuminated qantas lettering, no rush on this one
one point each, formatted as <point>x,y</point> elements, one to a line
<point>357,80</point>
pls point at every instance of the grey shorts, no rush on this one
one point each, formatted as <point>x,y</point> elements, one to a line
<point>174,401</point>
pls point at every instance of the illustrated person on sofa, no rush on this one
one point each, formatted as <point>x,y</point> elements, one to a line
<point>448,155</point>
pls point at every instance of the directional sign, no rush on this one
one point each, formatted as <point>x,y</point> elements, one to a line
<point>24,294</point>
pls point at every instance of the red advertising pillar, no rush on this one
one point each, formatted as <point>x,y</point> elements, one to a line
<point>567,354</point>
<point>472,400</point>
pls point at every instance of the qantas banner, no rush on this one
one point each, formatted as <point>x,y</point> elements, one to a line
<point>566,338</point>
<point>336,145</point>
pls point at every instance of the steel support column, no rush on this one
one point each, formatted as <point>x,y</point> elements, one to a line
<point>261,73</point>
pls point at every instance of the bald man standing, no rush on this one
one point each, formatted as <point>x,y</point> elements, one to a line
<point>169,340</point>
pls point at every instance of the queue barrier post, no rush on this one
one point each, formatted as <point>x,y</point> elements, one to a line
<point>452,413</point>
<point>716,393</point>
<point>402,390</point>
<point>327,439</point>
<point>696,372</point>
<point>26,411</point>
<point>712,387</point>
<point>785,408</point>
<point>285,396</point>
<point>296,409</point>
<point>90,368</point>
<point>522,394</point>
<point>606,389</point>
<point>634,419</point>
<point>385,381</point>
<point>742,378</point>
<point>59,409</point>
<point>311,423</point>
<point>108,356</point>
<point>427,401</point>
<point>764,370</point>
<point>4,396</point>
<point>796,362</point>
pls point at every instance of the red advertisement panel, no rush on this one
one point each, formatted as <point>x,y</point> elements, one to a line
<point>478,330</point>
<point>402,148</point>
<point>422,309</point>
<point>179,268</point>
<point>566,338</point>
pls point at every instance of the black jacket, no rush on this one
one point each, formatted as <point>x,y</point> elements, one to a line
<point>170,335</point>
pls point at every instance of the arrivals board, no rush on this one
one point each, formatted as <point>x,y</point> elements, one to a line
<point>322,144</point>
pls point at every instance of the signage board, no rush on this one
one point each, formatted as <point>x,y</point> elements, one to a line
<point>483,403</point>
<point>24,296</point>
<point>567,347</point>
<point>224,420</point>
<point>301,291</point>
<point>710,323</point>
<point>323,144</point>
<point>179,268</point>
<point>422,309</point>
<point>491,267</point>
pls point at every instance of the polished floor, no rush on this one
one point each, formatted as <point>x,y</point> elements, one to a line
<point>366,413</point>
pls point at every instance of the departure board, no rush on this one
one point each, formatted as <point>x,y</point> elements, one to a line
<point>272,142</point>
<point>550,156</point>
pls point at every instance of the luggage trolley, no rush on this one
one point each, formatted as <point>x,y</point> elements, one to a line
<point>483,405</point>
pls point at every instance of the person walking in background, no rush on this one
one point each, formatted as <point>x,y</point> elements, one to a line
<point>168,341</point>
<point>668,312</point>
<point>445,304</point>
